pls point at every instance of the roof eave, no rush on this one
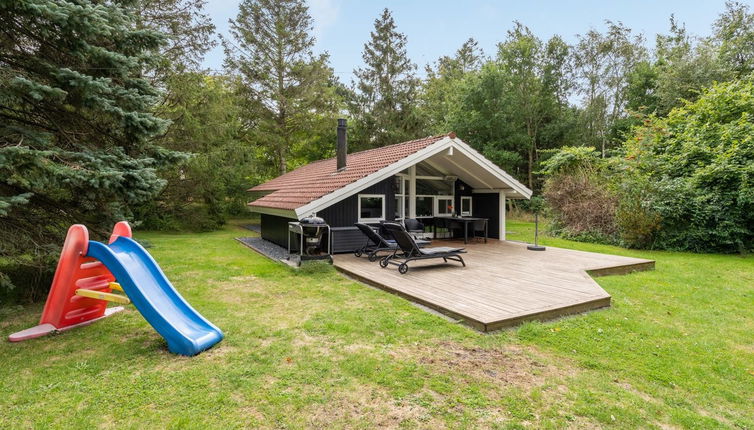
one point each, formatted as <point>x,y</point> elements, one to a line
<point>517,186</point>
<point>285,213</point>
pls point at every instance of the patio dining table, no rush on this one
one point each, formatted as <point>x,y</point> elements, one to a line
<point>447,221</point>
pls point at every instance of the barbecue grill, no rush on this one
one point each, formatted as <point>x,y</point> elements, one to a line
<point>311,232</point>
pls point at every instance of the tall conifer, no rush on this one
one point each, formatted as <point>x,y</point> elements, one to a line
<point>385,101</point>
<point>75,128</point>
<point>284,84</point>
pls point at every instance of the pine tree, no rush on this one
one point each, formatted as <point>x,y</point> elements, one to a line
<point>385,102</point>
<point>187,29</point>
<point>285,86</point>
<point>76,128</point>
<point>469,56</point>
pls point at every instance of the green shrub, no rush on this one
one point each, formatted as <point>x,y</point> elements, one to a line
<point>684,182</point>
<point>572,160</point>
<point>700,162</point>
<point>637,220</point>
<point>637,224</point>
<point>188,217</point>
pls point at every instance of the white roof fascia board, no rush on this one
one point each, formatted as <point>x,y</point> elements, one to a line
<point>285,213</point>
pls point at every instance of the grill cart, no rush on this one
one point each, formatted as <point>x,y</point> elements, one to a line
<point>312,235</point>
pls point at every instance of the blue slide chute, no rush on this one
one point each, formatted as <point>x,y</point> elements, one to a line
<point>186,331</point>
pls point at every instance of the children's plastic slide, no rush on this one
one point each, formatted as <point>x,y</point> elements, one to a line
<point>185,330</point>
<point>84,282</point>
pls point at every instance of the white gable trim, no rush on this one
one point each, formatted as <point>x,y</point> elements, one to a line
<point>500,173</point>
<point>443,144</point>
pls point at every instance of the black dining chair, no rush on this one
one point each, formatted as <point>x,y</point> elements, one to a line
<point>479,229</point>
<point>455,228</point>
<point>440,224</point>
<point>413,226</point>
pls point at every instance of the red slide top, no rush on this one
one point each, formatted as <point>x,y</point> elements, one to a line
<point>64,308</point>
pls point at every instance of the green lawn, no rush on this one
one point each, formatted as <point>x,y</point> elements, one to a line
<point>314,349</point>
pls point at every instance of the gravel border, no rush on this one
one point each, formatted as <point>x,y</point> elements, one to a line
<point>265,247</point>
<point>256,228</point>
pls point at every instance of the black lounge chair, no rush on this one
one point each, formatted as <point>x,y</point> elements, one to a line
<point>376,243</point>
<point>408,250</point>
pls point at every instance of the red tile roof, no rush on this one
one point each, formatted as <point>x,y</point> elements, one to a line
<point>314,180</point>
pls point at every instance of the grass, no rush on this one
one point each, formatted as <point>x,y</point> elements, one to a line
<point>313,349</point>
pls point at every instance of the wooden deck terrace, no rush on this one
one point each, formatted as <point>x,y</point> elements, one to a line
<point>503,283</point>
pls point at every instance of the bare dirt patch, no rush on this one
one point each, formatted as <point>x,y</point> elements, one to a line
<point>235,291</point>
<point>642,395</point>
<point>235,284</point>
<point>510,365</point>
<point>716,416</point>
<point>506,371</point>
<point>328,347</point>
<point>372,407</point>
<point>249,412</point>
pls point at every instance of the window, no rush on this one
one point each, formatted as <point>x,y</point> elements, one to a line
<point>434,196</point>
<point>425,206</point>
<point>401,200</point>
<point>398,208</point>
<point>433,187</point>
<point>444,206</point>
<point>371,207</point>
<point>466,206</point>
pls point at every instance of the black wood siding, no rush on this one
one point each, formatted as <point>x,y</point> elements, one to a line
<point>275,229</point>
<point>467,191</point>
<point>485,205</point>
<point>341,217</point>
<point>345,213</point>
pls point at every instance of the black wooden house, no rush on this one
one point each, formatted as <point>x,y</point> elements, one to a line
<point>429,178</point>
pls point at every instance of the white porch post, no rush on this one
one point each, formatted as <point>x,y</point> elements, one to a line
<point>412,192</point>
<point>502,216</point>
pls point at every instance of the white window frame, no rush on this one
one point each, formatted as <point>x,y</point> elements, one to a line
<point>401,206</point>
<point>437,205</point>
<point>471,206</point>
<point>434,205</point>
<point>368,220</point>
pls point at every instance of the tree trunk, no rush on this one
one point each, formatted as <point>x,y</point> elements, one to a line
<point>281,158</point>
<point>531,164</point>
<point>282,110</point>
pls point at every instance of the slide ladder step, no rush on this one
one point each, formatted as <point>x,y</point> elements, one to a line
<point>110,297</point>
